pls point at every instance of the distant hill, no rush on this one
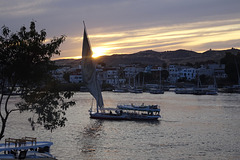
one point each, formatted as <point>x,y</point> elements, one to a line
<point>156,58</point>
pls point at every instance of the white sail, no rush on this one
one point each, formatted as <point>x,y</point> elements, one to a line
<point>89,71</point>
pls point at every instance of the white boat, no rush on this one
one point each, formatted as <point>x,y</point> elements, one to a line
<point>25,148</point>
<point>205,89</point>
<point>184,90</point>
<point>128,112</point>
<point>136,90</point>
<point>142,112</point>
<point>156,91</point>
<point>120,90</point>
<point>159,89</point>
<point>121,112</point>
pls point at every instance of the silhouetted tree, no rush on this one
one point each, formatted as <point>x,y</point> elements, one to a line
<point>25,68</point>
<point>189,64</point>
<point>206,80</point>
<point>154,77</point>
<point>232,66</point>
<point>164,75</point>
<point>66,77</point>
<point>164,65</point>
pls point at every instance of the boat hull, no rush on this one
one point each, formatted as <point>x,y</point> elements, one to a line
<point>122,117</point>
<point>108,116</point>
<point>156,91</point>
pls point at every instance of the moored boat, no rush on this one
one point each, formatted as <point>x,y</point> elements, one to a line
<point>184,90</point>
<point>120,90</point>
<point>128,112</point>
<point>205,90</point>
<point>156,91</point>
<point>142,112</point>
<point>25,148</point>
<point>136,90</point>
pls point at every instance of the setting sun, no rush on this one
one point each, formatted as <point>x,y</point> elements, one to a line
<point>98,51</point>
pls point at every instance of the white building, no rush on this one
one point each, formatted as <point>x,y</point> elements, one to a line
<point>111,76</point>
<point>217,70</point>
<point>58,73</point>
<point>188,73</point>
<point>173,73</point>
<point>132,71</point>
<point>205,70</point>
<point>77,78</point>
<point>179,72</point>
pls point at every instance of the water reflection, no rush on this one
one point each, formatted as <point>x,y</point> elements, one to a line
<point>89,138</point>
<point>151,123</point>
<point>93,128</point>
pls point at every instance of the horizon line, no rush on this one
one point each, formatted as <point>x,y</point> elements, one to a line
<point>200,52</point>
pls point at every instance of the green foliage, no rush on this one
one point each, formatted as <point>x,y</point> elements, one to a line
<point>25,63</point>
<point>48,103</point>
<point>25,57</point>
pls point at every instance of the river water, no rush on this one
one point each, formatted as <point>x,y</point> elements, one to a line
<point>192,128</point>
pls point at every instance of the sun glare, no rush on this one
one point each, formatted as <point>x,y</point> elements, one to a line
<point>98,51</point>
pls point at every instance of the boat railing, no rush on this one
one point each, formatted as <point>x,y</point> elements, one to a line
<point>20,142</point>
<point>140,107</point>
<point>30,139</point>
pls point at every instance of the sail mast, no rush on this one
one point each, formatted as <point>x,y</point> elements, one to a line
<point>89,71</point>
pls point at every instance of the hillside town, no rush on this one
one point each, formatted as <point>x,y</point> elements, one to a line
<point>145,77</point>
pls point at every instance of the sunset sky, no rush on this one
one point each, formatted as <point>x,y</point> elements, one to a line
<point>130,26</point>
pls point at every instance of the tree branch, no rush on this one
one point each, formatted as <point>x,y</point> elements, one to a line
<point>1,99</point>
<point>18,109</point>
<point>8,97</point>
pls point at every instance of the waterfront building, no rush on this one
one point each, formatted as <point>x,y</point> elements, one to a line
<point>132,71</point>
<point>75,78</point>
<point>187,73</point>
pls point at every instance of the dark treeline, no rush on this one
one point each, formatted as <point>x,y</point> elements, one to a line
<point>232,67</point>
